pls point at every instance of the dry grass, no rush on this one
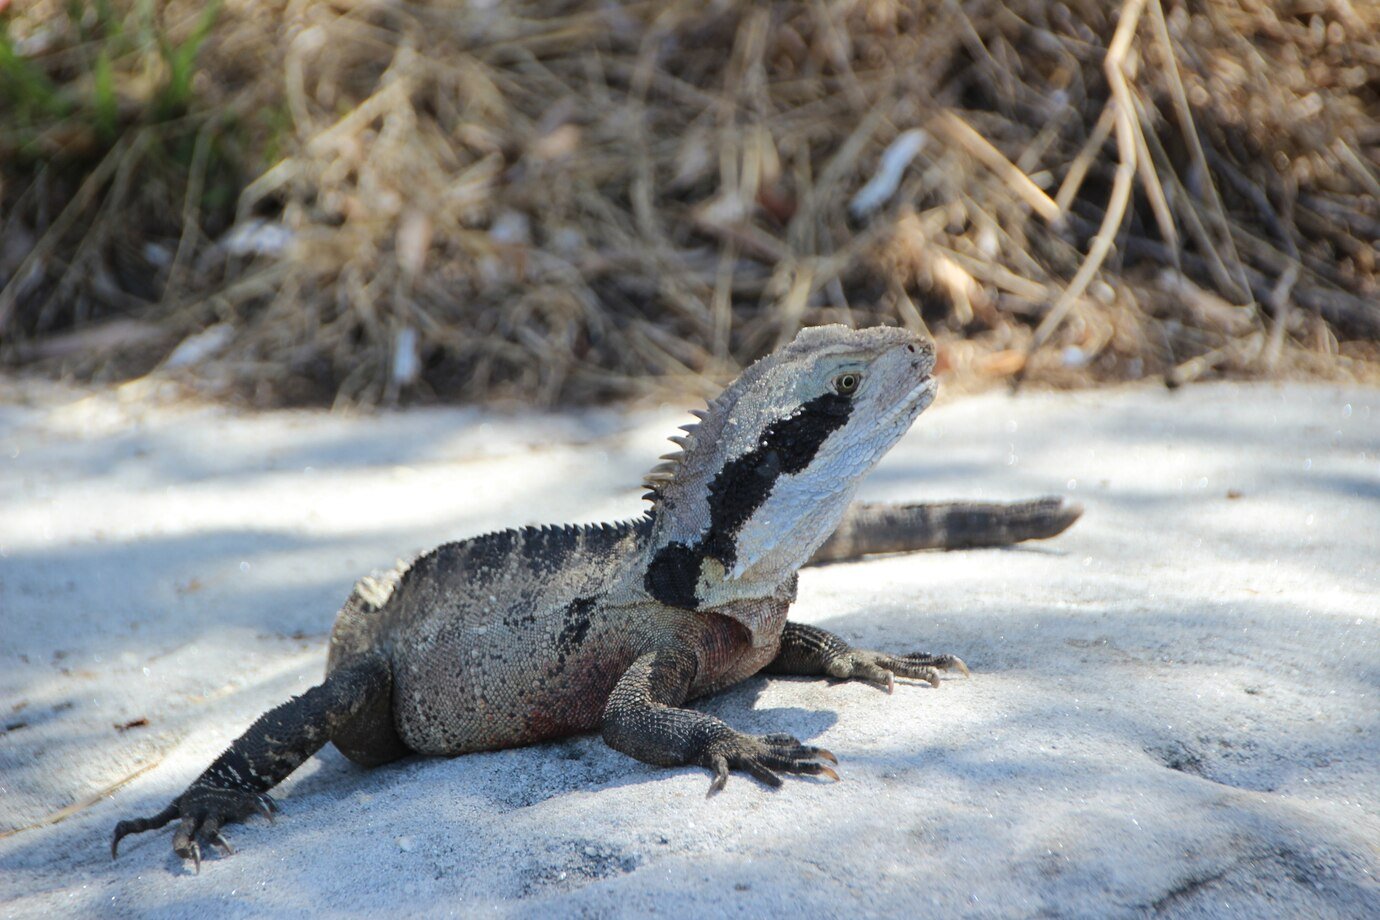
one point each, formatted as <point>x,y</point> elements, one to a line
<point>556,201</point>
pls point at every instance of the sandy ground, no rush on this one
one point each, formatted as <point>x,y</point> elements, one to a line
<point>1173,707</point>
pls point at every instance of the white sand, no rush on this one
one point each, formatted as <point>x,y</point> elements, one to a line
<point>1173,706</point>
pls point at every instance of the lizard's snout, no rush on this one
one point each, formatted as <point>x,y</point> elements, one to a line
<point>921,353</point>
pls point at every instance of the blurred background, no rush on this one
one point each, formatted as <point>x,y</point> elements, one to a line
<point>560,202</point>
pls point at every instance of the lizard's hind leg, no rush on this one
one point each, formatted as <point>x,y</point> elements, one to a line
<point>235,786</point>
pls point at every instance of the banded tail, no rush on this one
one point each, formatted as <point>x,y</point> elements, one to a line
<point>890,528</point>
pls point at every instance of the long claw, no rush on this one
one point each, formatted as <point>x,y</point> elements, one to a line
<point>958,663</point>
<point>221,843</point>
<point>822,754</point>
<point>720,776</point>
<point>184,841</point>
<point>810,768</point>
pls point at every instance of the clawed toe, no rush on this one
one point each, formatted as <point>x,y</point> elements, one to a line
<point>919,666</point>
<point>765,757</point>
<point>927,674</point>
<point>185,841</point>
<point>221,843</point>
<point>815,769</point>
<point>139,825</point>
<point>759,771</point>
<point>266,806</point>
<point>720,776</point>
<point>203,811</point>
<point>942,663</point>
<point>185,844</point>
<point>875,672</point>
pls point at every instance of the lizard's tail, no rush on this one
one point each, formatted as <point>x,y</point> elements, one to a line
<point>887,528</point>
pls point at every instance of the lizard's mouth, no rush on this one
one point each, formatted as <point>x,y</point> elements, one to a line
<point>922,394</point>
<point>916,400</point>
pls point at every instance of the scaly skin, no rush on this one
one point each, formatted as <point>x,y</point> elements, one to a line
<point>526,635</point>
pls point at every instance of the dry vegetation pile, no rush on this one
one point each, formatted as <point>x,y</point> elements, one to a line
<point>370,200</point>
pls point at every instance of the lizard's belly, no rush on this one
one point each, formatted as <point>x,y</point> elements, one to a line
<point>495,686</point>
<point>467,685</point>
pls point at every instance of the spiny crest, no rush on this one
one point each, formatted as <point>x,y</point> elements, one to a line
<point>373,591</point>
<point>706,429</point>
<point>664,472</point>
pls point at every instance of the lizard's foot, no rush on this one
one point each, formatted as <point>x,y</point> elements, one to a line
<point>883,669</point>
<point>203,810</point>
<point>762,756</point>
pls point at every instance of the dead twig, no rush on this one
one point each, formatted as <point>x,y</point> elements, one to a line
<point>1121,183</point>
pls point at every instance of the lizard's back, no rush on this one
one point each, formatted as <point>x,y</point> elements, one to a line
<point>499,640</point>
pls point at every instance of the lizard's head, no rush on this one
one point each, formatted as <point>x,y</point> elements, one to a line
<point>766,475</point>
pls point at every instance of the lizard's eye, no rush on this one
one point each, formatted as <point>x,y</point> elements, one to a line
<point>846,384</point>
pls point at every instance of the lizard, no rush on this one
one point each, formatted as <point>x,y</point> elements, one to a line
<point>531,634</point>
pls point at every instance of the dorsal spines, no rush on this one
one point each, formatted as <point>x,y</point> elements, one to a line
<point>659,477</point>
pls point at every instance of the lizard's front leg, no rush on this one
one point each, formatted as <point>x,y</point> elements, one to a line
<point>642,719</point>
<point>808,650</point>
